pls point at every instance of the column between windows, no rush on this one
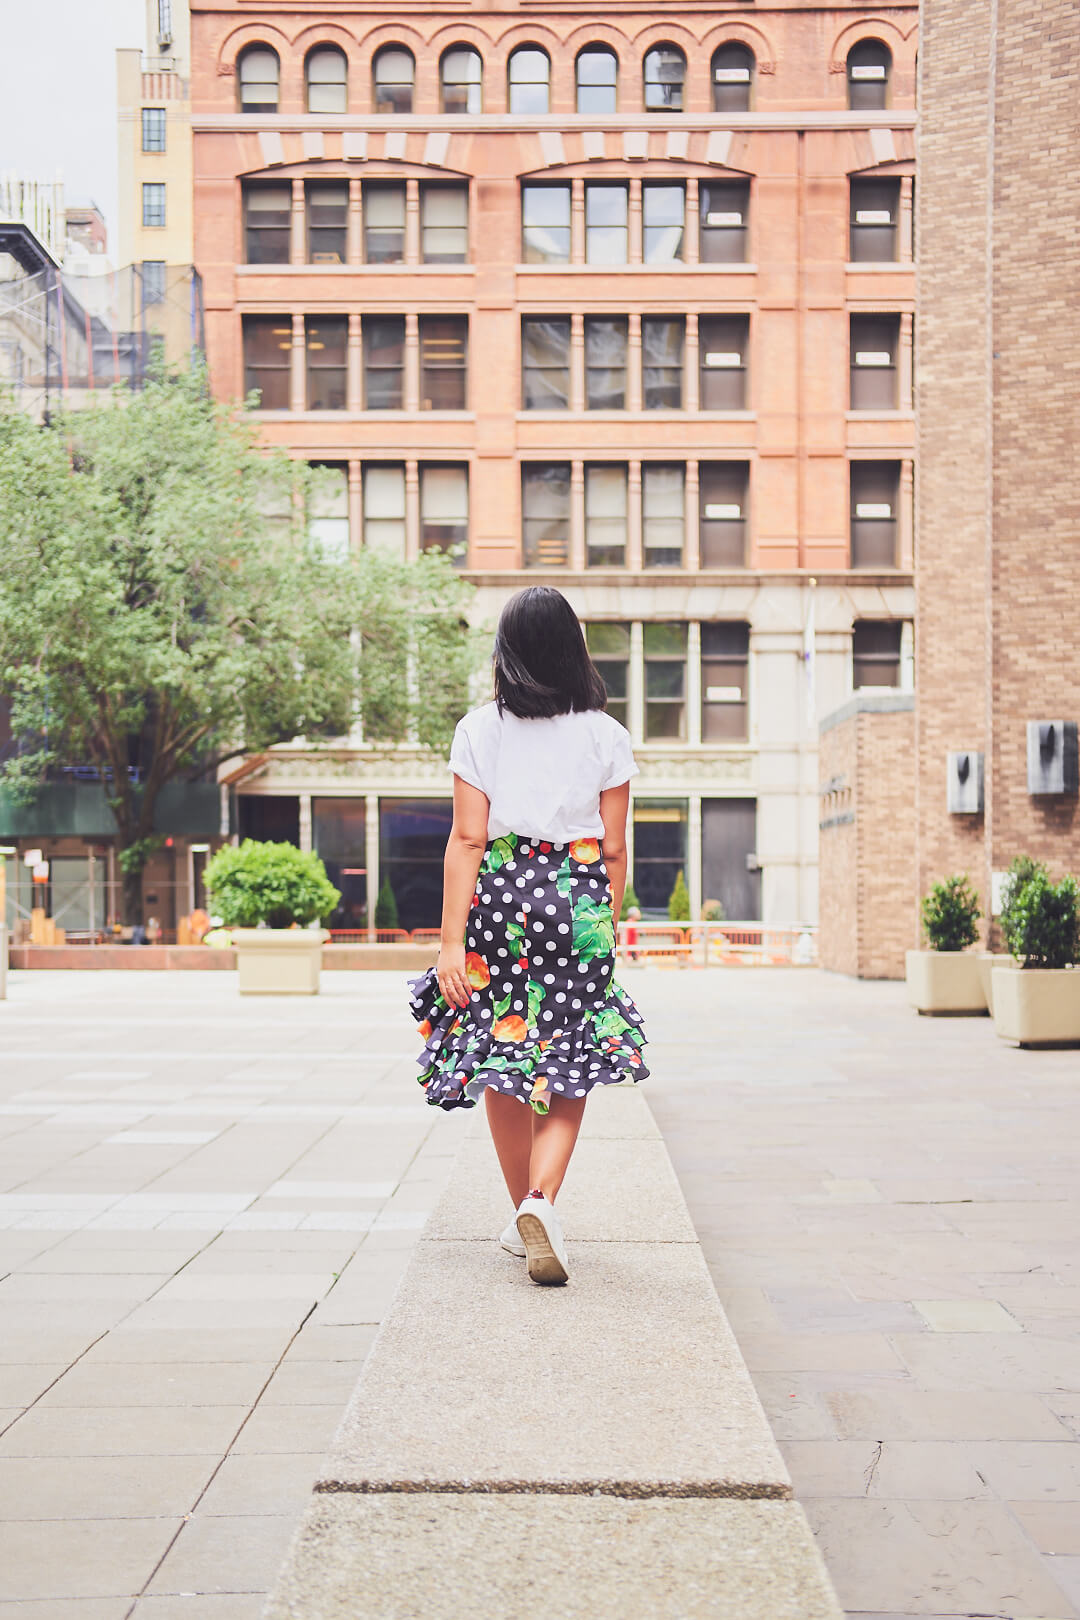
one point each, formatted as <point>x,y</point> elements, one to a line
<point>354,383</point>
<point>298,366</point>
<point>633,516</point>
<point>691,516</point>
<point>633,363</point>
<point>412,510</point>
<point>691,374</point>
<point>635,254</point>
<point>577,514</point>
<point>354,237</point>
<point>298,225</point>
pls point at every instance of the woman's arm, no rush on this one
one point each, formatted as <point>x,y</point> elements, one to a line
<point>464,852</point>
<point>614,804</point>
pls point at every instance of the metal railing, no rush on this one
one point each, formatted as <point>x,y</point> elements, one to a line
<point>717,944</point>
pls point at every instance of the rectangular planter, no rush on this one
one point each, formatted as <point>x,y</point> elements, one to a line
<point>988,961</point>
<point>1037,1006</point>
<point>278,961</point>
<point>944,983</point>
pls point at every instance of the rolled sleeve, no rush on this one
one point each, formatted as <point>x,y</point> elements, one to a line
<point>622,766</point>
<point>463,758</point>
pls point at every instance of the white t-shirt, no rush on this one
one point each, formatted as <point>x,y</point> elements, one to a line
<point>542,778</point>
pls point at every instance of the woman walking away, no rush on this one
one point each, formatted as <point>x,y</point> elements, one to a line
<point>522,1004</point>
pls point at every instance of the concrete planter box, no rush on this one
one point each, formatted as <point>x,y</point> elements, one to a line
<point>988,961</point>
<point>1037,1006</point>
<point>278,961</point>
<point>944,983</point>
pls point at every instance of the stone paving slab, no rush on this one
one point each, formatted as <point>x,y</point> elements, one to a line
<point>571,1557</point>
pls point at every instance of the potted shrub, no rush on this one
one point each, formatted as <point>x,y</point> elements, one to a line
<point>273,897</point>
<point>1037,999</point>
<point>1021,871</point>
<point>945,979</point>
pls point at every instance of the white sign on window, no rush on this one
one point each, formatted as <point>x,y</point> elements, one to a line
<point>873,509</point>
<point>873,216</point>
<point>41,872</point>
<point>716,509</point>
<point>733,75</point>
<point>31,857</point>
<point>714,218</point>
<point>873,357</point>
<point>868,70</point>
<point>722,360</point>
<point>723,694</point>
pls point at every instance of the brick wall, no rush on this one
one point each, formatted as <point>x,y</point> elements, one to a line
<point>867,831</point>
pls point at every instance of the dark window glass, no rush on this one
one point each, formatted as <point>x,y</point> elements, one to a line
<point>384,362</point>
<point>605,516</point>
<point>868,66</point>
<point>257,80</point>
<point>267,216</point>
<point>663,207</point>
<point>733,78</point>
<point>270,818</point>
<point>665,682</point>
<point>724,221</point>
<point>723,341</point>
<point>662,519</point>
<point>875,648</point>
<point>444,509</point>
<point>597,79</point>
<point>153,203</point>
<point>153,129</point>
<point>662,362</point>
<point>605,362</point>
<point>875,489</point>
<point>267,347</point>
<point>462,76</point>
<point>545,224</point>
<point>665,76</point>
<point>724,495</point>
<point>606,224</point>
<point>394,71</point>
<point>153,281</point>
<point>412,842</point>
<point>327,220</point>
<point>338,836</point>
<point>545,364</point>
<point>609,648</point>
<point>444,224</point>
<point>874,342</point>
<point>725,661</point>
<point>875,209</point>
<point>326,340</point>
<point>545,514</point>
<point>384,224</point>
<point>443,343</point>
<point>530,80</point>
<point>659,852</point>
<point>327,81</point>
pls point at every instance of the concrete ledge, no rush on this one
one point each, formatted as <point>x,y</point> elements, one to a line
<point>593,1450</point>
<point>151,958</point>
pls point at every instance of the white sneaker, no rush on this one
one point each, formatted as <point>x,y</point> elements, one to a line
<point>541,1232</point>
<point>511,1242</point>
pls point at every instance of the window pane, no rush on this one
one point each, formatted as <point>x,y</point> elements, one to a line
<point>662,212</point>
<point>545,365</point>
<point>326,84</point>
<point>326,340</point>
<point>384,509</point>
<point>259,80</point>
<point>443,340</point>
<point>659,851</point>
<point>545,507</point>
<point>724,214</point>
<point>596,80</point>
<point>665,74</point>
<point>530,72</point>
<point>875,209</point>
<point>545,224</point>
<point>267,214</point>
<point>327,220</point>
<point>725,656</point>
<point>605,363</point>
<point>868,66</point>
<point>733,77</point>
<point>384,361</point>
<point>394,72</point>
<point>722,348</point>
<point>609,648</point>
<point>662,524</point>
<point>444,220</point>
<point>662,362</point>
<point>461,81</point>
<point>874,343</point>
<point>384,224</point>
<point>875,488</point>
<point>723,494</point>
<point>875,647</point>
<point>328,516</point>
<point>153,281</point>
<point>153,129</point>
<point>267,349</point>
<point>153,203</point>
<point>665,681</point>
<point>444,507</point>
<point>606,224</point>
<point>605,516</point>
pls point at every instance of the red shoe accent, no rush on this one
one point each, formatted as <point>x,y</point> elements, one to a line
<point>535,1193</point>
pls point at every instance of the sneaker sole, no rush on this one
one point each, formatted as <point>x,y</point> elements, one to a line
<point>543,1263</point>
<point>516,1249</point>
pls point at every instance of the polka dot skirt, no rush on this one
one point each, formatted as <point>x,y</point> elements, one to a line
<point>545,1018</point>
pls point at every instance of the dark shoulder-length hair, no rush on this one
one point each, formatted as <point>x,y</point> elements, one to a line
<point>542,665</point>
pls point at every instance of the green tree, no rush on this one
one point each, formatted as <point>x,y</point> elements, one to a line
<point>678,906</point>
<point>386,911</point>
<point>165,606</point>
<point>629,899</point>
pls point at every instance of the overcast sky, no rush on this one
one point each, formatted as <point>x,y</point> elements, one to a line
<point>58,92</point>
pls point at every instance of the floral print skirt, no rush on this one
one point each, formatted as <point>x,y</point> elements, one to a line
<point>545,1018</point>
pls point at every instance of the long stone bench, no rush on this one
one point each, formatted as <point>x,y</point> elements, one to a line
<point>588,1451</point>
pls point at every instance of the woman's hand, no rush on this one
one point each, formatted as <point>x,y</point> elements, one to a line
<point>450,972</point>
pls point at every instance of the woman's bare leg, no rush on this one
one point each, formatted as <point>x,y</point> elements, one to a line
<point>512,1133</point>
<point>553,1137</point>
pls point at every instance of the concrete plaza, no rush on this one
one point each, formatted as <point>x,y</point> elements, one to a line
<point>206,1203</point>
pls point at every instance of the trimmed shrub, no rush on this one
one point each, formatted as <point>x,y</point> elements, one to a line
<point>386,911</point>
<point>712,911</point>
<point>275,884</point>
<point>1020,873</point>
<point>678,906</point>
<point>629,899</point>
<point>1043,926</point>
<point>950,914</point>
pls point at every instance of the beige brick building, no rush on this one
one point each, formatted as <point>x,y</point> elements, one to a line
<point>621,301</point>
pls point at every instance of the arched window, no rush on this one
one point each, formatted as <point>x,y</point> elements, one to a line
<point>462,80</point>
<point>530,80</point>
<point>665,77</point>
<point>868,66</point>
<point>597,75</point>
<point>733,78</point>
<point>394,72</point>
<point>326,72</point>
<point>257,81</point>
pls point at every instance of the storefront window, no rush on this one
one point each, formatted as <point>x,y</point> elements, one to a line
<point>338,835</point>
<point>412,841</point>
<point>659,851</point>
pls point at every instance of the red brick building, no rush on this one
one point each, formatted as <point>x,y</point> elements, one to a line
<point>621,301</point>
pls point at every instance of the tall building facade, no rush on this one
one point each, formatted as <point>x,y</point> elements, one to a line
<point>621,302</point>
<point>154,227</point>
